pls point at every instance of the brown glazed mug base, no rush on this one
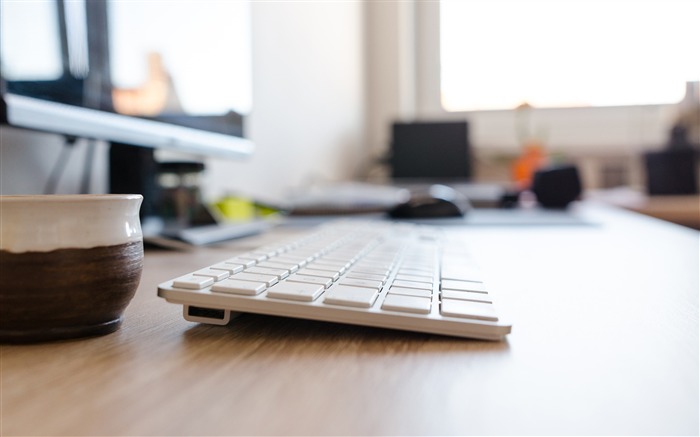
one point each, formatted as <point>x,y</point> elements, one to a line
<point>67,293</point>
<point>53,334</point>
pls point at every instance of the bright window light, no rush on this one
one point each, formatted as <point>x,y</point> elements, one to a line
<point>499,54</point>
<point>18,40</point>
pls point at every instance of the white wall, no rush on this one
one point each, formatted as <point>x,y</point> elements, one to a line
<point>27,159</point>
<point>389,70</point>
<point>307,120</point>
<point>308,100</point>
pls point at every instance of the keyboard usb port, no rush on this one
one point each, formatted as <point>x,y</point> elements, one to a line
<point>206,315</point>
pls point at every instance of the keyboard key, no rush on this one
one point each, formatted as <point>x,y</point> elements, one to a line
<point>236,286</point>
<point>326,282</point>
<point>335,267</point>
<point>466,295</point>
<point>217,275</point>
<point>232,269</point>
<point>417,271</point>
<point>255,277</point>
<point>361,283</point>
<point>274,264</point>
<point>417,278</point>
<point>241,261</point>
<point>193,282</point>
<point>296,291</point>
<point>299,260</point>
<point>477,287</point>
<point>340,259</point>
<point>291,261</point>
<point>375,264</point>
<point>372,270</point>
<point>351,296</point>
<point>307,255</point>
<point>330,260</point>
<point>413,284</point>
<point>411,291</point>
<point>410,304</point>
<point>327,268</point>
<point>368,276</point>
<point>269,250</point>
<point>322,273</point>
<point>279,273</point>
<point>467,309</point>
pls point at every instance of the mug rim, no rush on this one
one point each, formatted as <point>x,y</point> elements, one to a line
<point>67,197</point>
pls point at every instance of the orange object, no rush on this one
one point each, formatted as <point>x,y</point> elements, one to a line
<point>532,159</point>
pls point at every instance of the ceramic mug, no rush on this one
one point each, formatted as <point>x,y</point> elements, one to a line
<point>69,264</point>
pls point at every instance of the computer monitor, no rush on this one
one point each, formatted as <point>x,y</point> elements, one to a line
<point>430,151</point>
<point>48,116</point>
<point>142,75</point>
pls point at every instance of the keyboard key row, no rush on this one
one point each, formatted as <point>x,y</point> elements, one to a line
<point>455,303</point>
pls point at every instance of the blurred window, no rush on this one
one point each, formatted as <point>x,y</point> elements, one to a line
<point>197,52</point>
<point>499,54</point>
<point>41,40</point>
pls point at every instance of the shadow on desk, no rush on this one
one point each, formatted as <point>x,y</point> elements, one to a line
<point>536,217</point>
<point>256,333</point>
<point>539,217</point>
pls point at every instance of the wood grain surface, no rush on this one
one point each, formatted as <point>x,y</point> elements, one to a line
<point>604,341</point>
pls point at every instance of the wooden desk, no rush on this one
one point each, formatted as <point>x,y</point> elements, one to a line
<point>605,341</point>
<point>682,209</point>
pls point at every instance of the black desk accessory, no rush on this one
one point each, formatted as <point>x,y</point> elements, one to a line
<point>436,151</point>
<point>554,187</point>
<point>557,186</point>
<point>674,169</point>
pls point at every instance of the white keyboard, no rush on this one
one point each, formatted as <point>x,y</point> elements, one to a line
<point>381,274</point>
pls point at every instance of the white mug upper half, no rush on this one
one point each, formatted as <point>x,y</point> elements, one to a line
<point>42,223</point>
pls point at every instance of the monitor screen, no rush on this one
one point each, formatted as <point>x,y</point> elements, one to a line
<point>436,151</point>
<point>172,75</point>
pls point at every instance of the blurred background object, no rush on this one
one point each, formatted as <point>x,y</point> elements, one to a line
<point>597,100</point>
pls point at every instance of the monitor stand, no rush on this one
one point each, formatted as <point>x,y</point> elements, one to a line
<point>134,170</point>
